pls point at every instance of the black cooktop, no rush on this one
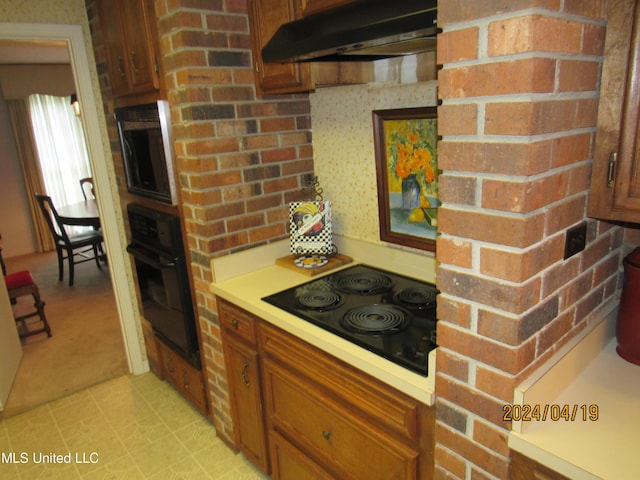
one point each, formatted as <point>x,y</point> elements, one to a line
<point>389,314</point>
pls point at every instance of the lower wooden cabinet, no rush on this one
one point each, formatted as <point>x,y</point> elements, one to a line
<point>524,468</point>
<point>186,378</point>
<point>302,414</point>
<point>244,376</point>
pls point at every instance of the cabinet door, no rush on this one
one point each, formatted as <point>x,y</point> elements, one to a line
<point>291,464</point>
<point>265,17</point>
<point>129,45</point>
<point>140,53</point>
<point>336,438</point>
<point>246,397</point>
<point>615,182</point>
<point>115,48</point>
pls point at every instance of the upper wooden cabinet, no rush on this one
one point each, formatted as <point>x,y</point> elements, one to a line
<point>129,37</point>
<point>265,17</point>
<point>615,181</point>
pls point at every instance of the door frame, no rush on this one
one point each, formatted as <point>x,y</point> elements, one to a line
<point>94,127</point>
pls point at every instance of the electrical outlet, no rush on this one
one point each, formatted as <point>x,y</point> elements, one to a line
<point>575,240</point>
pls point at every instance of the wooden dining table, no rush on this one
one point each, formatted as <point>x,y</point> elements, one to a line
<point>83,213</point>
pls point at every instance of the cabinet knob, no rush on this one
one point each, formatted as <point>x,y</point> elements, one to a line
<point>235,323</point>
<point>326,434</point>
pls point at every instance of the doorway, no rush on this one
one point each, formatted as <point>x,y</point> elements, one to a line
<point>97,143</point>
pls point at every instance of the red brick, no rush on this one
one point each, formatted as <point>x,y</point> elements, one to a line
<point>453,11</point>
<point>594,8</point>
<point>533,75</point>
<point>571,149</point>
<point>566,214</point>
<point>453,251</point>
<point>493,463</point>
<point>534,33</point>
<point>503,328</point>
<point>524,197</point>
<point>458,119</point>
<point>452,365</point>
<point>555,330</point>
<point>578,76</point>
<point>491,437</point>
<point>521,266</point>
<point>495,384</point>
<point>508,359</point>
<point>457,190</point>
<point>457,45</point>
<point>495,158</point>
<point>537,118</point>
<point>509,230</point>
<point>449,461</point>
<point>454,311</point>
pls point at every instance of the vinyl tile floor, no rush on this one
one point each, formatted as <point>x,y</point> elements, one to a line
<point>131,427</point>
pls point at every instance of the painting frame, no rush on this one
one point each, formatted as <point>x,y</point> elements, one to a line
<point>405,142</point>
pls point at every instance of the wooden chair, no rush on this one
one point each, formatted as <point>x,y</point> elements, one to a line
<point>87,181</point>
<point>89,243</point>
<point>19,284</point>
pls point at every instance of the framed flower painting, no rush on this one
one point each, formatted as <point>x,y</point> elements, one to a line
<point>407,174</point>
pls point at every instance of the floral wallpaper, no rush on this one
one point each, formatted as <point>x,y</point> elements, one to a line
<point>49,11</point>
<point>343,148</point>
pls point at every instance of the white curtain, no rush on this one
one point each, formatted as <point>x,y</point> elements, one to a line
<point>60,141</point>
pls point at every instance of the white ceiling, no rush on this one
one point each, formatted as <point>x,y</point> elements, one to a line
<point>14,52</point>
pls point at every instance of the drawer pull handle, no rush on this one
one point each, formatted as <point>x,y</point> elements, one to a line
<point>234,322</point>
<point>326,435</point>
<point>245,366</point>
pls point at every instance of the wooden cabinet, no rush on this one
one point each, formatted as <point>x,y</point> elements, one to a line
<point>186,378</point>
<point>130,40</point>
<point>615,181</point>
<point>328,420</point>
<point>243,370</point>
<point>265,17</point>
<point>523,468</point>
<point>306,414</point>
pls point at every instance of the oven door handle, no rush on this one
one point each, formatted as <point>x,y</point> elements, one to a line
<point>150,261</point>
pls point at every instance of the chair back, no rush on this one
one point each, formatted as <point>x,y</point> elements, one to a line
<point>87,181</point>
<point>50,213</point>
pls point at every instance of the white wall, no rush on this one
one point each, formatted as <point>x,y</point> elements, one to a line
<point>344,153</point>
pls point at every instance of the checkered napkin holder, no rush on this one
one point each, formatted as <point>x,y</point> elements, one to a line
<point>310,228</point>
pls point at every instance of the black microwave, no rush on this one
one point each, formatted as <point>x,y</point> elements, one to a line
<point>145,140</point>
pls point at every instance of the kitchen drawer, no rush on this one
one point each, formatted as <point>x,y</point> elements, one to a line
<point>186,378</point>
<point>291,464</point>
<point>237,321</point>
<point>326,432</point>
<point>393,411</point>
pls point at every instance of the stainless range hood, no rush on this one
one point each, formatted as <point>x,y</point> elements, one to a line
<point>363,30</point>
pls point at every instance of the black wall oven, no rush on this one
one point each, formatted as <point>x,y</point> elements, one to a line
<point>163,279</point>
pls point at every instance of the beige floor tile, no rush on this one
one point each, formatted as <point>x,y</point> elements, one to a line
<point>136,427</point>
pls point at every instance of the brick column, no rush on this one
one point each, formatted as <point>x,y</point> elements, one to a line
<point>519,89</point>
<point>240,159</point>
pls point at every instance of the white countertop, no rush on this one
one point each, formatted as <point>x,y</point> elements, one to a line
<point>246,290</point>
<point>604,448</point>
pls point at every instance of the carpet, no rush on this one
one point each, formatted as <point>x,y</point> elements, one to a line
<point>86,346</point>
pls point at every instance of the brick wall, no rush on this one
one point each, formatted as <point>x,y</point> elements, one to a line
<point>519,89</point>
<point>240,159</point>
